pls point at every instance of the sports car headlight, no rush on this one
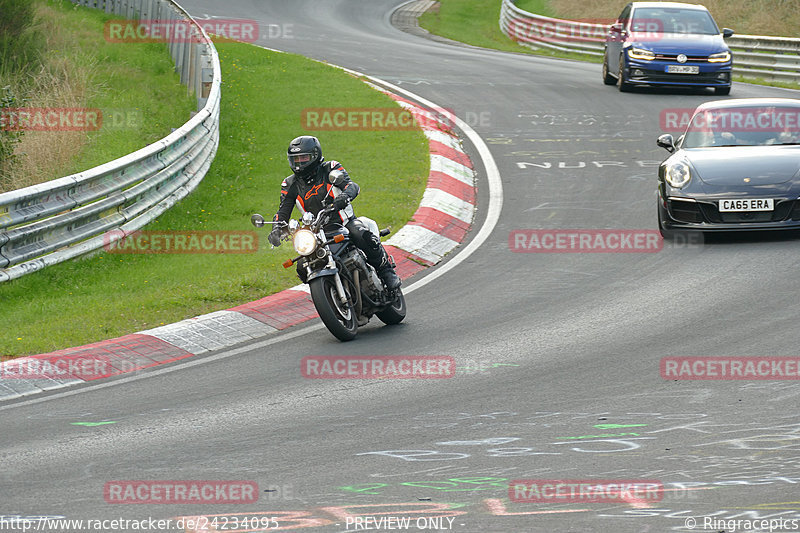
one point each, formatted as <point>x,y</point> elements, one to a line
<point>721,57</point>
<point>641,53</point>
<point>305,242</point>
<point>678,174</point>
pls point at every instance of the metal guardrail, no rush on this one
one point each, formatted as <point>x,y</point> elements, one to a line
<point>754,56</point>
<point>770,58</point>
<point>537,31</point>
<point>58,220</point>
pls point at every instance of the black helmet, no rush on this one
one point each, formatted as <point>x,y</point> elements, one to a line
<point>304,154</point>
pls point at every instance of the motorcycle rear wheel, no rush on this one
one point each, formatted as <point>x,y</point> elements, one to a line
<point>395,313</point>
<point>339,319</point>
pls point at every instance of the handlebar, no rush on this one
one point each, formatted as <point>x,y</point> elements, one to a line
<point>259,222</point>
<point>322,218</point>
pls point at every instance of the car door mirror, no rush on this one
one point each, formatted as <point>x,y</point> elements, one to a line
<point>727,32</point>
<point>667,142</point>
<point>616,27</point>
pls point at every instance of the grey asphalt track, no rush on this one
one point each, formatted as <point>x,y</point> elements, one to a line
<point>558,354</point>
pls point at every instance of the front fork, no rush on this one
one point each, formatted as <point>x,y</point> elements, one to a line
<point>340,289</point>
<point>330,266</point>
<point>337,280</point>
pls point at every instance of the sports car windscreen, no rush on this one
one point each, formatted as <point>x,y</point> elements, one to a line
<point>744,126</point>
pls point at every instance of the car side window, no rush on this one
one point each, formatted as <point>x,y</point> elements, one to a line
<point>625,16</point>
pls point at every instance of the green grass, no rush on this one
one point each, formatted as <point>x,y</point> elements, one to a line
<point>263,94</point>
<point>477,22</point>
<point>770,83</point>
<point>540,7</point>
<point>20,40</point>
<point>135,82</point>
<point>474,22</point>
<point>79,68</point>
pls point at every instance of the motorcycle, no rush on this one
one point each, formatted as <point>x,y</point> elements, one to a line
<point>345,289</point>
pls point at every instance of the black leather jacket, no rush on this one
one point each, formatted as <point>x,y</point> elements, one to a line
<point>310,195</point>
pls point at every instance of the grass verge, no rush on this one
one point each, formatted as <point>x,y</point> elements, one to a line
<point>264,94</point>
<point>477,22</point>
<point>134,85</point>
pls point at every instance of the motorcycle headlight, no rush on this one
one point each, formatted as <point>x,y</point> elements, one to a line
<point>641,53</point>
<point>721,57</point>
<point>305,242</point>
<point>678,174</point>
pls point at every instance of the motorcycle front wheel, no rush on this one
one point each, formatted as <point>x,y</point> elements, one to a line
<point>395,313</point>
<point>339,319</point>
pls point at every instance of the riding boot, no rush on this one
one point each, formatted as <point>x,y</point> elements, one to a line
<point>387,274</point>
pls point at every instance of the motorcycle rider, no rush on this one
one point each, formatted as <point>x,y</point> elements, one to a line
<point>316,183</point>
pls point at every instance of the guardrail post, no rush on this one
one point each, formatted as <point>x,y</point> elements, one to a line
<point>187,57</point>
<point>207,78</point>
<point>157,11</point>
<point>197,81</point>
<point>173,45</point>
<point>147,10</point>
<point>179,45</point>
<point>191,63</point>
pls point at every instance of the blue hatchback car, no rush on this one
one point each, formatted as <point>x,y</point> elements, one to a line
<point>667,44</point>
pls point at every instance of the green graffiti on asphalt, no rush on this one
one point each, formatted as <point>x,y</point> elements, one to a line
<point>603,436</point>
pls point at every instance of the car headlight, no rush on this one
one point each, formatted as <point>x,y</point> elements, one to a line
<point>641,53</point>
<point>721,57</point>
<point>678,174</point>
<point>305,242</point>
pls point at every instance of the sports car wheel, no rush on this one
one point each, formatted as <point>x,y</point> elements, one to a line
<point>624,86</point>
<point>608,79</point>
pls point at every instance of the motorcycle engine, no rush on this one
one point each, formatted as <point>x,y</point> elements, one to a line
<point>371,282</point>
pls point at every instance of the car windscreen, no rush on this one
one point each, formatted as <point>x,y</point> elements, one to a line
<point>744,126</point>
<point>673,20</point>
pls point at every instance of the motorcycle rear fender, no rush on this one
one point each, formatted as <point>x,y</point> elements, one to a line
<point>371,225</point>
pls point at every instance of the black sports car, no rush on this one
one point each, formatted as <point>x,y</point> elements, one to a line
<point>736,167</point>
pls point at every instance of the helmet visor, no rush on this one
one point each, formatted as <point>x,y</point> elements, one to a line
<point>299,161</point>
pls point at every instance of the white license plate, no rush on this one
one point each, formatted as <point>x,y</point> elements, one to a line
<point>750,204</point>
<point>683,69</point>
